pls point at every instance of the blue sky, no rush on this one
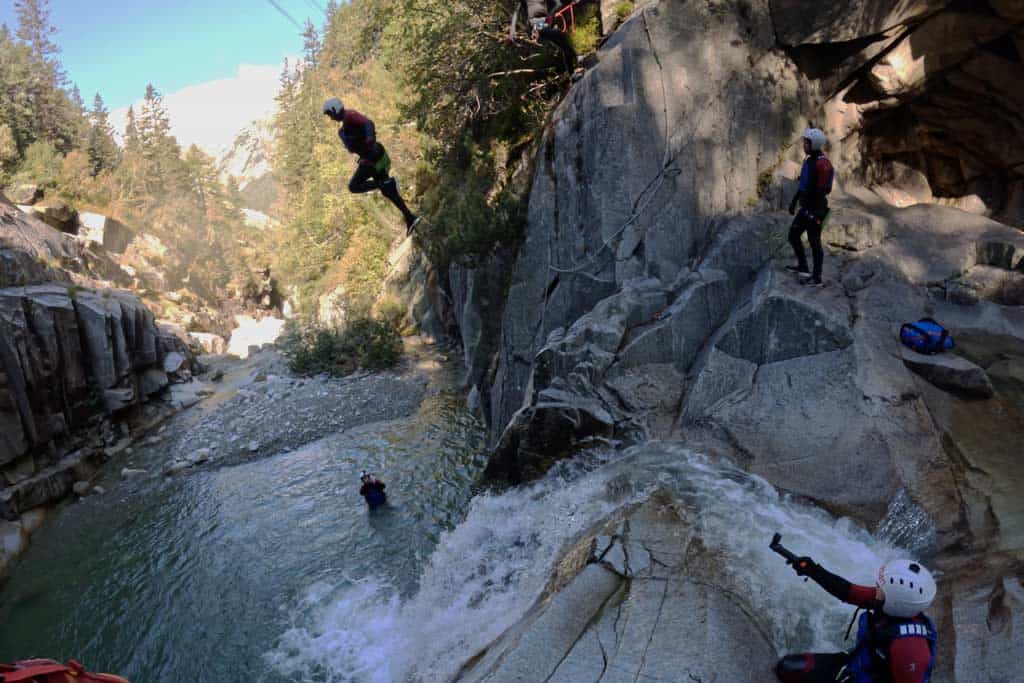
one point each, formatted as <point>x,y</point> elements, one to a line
<point>115,47</point>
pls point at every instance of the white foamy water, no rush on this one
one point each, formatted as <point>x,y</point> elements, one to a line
<point>486,573</point>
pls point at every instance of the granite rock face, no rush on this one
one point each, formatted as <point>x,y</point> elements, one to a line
<point>66,351</point>
<point>70,353</point>
<point>649,299</point>
<point>641,609</point>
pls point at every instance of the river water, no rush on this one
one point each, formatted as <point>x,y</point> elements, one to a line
<point>197,577</point>
<point>275,571</point>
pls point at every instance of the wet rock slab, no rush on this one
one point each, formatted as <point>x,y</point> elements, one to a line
<point>950,372</point>
<point>647,607</point>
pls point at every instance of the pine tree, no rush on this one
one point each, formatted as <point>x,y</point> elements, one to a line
<point>310,44</point>
<point>56,116</point>
<point>162,170</point>
<point>128,173</point>
<point>17,110</point>
<point>35,29</point>
<point>202,177</point>
<point>100,146</point>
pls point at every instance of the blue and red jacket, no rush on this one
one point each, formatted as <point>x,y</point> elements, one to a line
<point>816,177</point>
<point>359,135</point>
<point>892,649</point>
<point>888,649</point>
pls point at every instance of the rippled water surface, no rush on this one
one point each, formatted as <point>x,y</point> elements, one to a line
<point>198,578</point>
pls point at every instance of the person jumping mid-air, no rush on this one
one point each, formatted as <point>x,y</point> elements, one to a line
<point>359,136</point>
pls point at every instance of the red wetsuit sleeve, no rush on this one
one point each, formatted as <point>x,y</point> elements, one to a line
<point>862,596</point>
<point>841,589</point>
<point>909,658</point>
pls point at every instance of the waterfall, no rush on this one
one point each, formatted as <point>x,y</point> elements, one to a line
<point>487,572</point>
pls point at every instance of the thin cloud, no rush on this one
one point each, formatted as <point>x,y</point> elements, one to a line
<point>211,114</point>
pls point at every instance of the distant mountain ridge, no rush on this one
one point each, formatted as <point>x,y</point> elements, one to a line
<point>249,161</point>
<point>248,158</point>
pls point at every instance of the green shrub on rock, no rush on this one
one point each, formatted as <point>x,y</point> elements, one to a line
<point>588,29</point>
<point>624,9</point>
<point>364,343</point>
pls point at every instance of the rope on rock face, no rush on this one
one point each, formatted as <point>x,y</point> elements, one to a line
<point>646,195</point>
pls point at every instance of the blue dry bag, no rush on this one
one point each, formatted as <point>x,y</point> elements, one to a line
<point>926,336</point>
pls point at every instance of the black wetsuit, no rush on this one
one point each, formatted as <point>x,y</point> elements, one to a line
<point>815,185</point>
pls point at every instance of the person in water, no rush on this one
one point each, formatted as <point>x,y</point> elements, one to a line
<point>372,490</point>
<point>359,136</point>
<point>895,640</point>
<point>816,178</point>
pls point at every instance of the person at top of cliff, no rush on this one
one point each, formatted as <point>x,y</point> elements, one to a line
<point>816,178</point>
<point>895,640</point>
<point>372,490</point>
<point>373,172</point>
<point>539,18</point>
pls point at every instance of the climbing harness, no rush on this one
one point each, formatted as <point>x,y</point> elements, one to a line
<point>567,25</point>
<point>564,17</point>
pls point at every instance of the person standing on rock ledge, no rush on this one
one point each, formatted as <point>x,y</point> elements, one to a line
<point>359,136</point>
<point>372,490</point>
<point>816,178</point>
<point>895,640</point>
<point>539,18</point>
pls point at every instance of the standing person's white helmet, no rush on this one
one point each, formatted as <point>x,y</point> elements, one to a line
<point>334,106</point>
<point>816,137</point>
<point>909,588</point>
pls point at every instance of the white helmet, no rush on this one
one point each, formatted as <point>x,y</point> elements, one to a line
<point>334,106</point>
<point>816,137</point>
<point>909,588</point>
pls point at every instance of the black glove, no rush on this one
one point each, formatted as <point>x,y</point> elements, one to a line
<point>803,566</point>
